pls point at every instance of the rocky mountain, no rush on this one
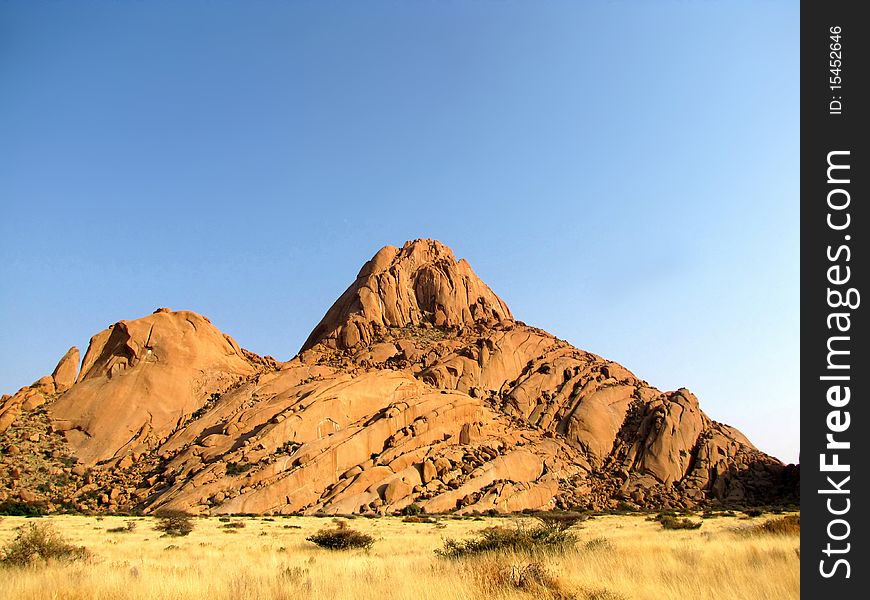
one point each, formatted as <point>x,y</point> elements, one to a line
<point>417,386</point>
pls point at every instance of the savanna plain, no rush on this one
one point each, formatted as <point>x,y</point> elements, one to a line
<point>609,557</point>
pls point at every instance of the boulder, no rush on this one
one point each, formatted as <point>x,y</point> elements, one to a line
<point>428,471</point>
<point>64,374</point>
<point>395,491</point>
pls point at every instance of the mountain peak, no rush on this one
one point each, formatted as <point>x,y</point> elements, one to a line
<point>419,388</point>
<point>419,283</point>
<point>413,252</point>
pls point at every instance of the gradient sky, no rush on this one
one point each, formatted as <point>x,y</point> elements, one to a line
<point>623,174</point>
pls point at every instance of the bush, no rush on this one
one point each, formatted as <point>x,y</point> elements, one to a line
<point>234,469</point>
<point>234,525</point>
<point>412,510</point>
<point>669,522</point>
<point>753,512</point>
<point>174,524</point>
<point>128,527</point>
<point>14,508</point>
<point>560,521</point>
<point>787,525</point>
<point>39,542</point>
<point>341,538</point>
<point>516,539</point>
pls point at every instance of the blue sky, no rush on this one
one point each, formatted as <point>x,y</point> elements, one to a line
<point>623,174</point>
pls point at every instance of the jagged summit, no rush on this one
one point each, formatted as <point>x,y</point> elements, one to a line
<point>422,282</point>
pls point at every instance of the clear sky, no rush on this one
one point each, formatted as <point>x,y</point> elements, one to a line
<point>624,174</point>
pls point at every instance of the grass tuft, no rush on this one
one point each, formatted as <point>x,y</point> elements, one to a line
<point>532,578</point>
<point>669,522</point>
<point>788,525</point>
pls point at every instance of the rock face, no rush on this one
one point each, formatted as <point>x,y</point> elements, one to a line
<point>140,380</point>
<point>418,386</point>
<point>421,283</point>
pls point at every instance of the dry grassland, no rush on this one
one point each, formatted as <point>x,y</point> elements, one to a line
<point>617,557</point>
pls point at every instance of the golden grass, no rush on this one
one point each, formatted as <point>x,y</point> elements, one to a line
<point>264,560</point>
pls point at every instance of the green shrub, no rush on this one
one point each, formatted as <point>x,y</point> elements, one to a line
<point>516,539</point>
<point>669,522</point>
<point>412,510</point>
<point>341,538</point>
<point>174,523</point>
<point>39,543</point>
<point>14,508</point>
<point>238,468</point>
<point>209,404</point>
<point>234,525</point>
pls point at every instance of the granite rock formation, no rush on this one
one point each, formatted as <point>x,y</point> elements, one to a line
<point>418,386</point>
